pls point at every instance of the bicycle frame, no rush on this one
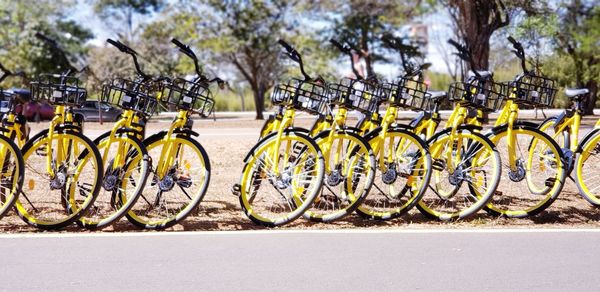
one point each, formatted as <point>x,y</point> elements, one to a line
<point>128,120</point>
<point>62,115</point>
<point>12,128</point>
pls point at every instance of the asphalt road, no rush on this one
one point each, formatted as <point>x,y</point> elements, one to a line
<point>442,260</point>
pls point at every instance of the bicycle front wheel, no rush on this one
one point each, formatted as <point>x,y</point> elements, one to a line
<point>60,192</point>
<point>349,173</point>
<point>177,183</point>
<point>281,180</point>
<point>587,168</point>
<point>536,178</point>
<point>466,172</point>
<point>126,168</point>
<point>11,175</point>
<point>402,174</point>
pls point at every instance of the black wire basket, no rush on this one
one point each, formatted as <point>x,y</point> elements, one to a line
<point>407,93</point>
<point>534,90</point>
<point>131,95</point>
<point>305,96</point>
<point>487,96</point>
<point>58,90</point>
<point>357,95</point>
<point>187,95</point>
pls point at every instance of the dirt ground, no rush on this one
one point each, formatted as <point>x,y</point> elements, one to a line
<point>228,140</point>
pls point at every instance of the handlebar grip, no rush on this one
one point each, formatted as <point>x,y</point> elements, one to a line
<point>179,44</point>
<point>286,45</point>
<point>338,45</point>
<point>456,45</point>
<point>184,48</point>
<point>117,45</point>
<point>512,40</point>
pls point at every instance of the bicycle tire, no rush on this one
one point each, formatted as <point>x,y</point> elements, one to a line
<point>143,217</point>
<point>517,203</point>
<point>253,175</point>
<point>115,183</point>
<point>440,204</point>
<point>10,182</point>
<point>391,203</point>
<point>327,206</point>
<point>88,190</point>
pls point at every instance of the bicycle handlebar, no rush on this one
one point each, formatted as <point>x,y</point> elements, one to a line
<point>347,49</point>
<point>188,52</point>
<point>295,56</point>
<point>519,52</point>
<point>465,54</point>
<point>127,50</point>
<point>185,49</point>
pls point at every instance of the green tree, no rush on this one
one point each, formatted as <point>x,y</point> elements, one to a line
<point>361,23</point>
<point>19,22</point>
<point>126,13</point>
<point>579,39</point>
<point>478,20</point>
<point>244,34</point>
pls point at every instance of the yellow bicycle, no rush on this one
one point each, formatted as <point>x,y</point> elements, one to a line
<point>283,173</point>
<point>180,170</point>
<point>402,161</point>
<point>63,168</point>
<point>535,166</point>
<point>580,157</point>
<point>11,164</point>
<point>124,156</point>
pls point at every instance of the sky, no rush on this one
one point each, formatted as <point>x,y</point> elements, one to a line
<point>439,30</point>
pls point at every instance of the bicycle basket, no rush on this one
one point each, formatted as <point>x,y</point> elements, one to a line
<point>358,95</point>
<point>407,93</point>
<point>58,89</point>
<point>130,95</point>
<point>535,90</point>
<point>187,95</point>
<point>487,96</point>
<point>306,96</point>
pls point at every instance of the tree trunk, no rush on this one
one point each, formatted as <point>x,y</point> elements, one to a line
<point>592,86</point>
<point>480,48</point>
<point>478,20</point>
<point>259,100</point>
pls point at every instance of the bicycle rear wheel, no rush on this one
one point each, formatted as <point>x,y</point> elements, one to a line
<point>350,170</point>
<point>401,177</point>
<point>11,174</point>
<point>53,201</point>
<point>273,198</point>
<point>123,180</point>
<point>466,172</point>
<point>171,196</point>
<point>537,178</point>
<point>587,168</point>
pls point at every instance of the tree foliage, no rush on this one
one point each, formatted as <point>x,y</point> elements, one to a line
<point>121,15</point>
<point>21,50</point>
<point>361,23</point>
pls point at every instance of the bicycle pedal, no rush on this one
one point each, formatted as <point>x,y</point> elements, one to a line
<point>236,190</point>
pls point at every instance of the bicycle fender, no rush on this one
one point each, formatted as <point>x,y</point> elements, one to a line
<point>253,149</point>
<point>187,132</point>
<point>68,128</point>
<point>473,128</point>
<point>585,139</point>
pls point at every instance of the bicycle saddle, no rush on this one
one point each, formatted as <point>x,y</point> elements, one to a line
<point>576,92</point>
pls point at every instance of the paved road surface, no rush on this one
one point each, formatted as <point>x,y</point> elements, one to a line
<point>324,261</point>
